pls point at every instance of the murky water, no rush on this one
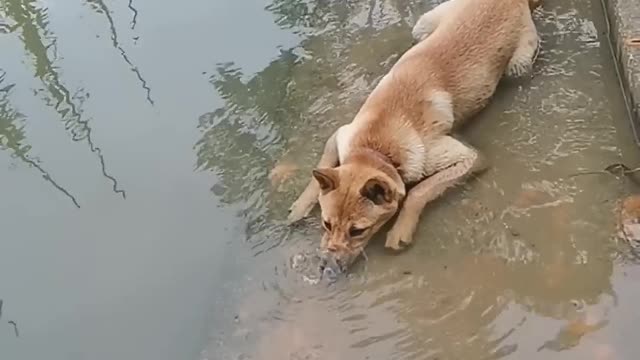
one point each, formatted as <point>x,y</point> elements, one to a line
<point>140,217</point>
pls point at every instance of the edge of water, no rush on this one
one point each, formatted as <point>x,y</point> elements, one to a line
<point>623,18</point>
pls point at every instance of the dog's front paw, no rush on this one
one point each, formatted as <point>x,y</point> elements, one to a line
<point>299,210</point>
<point>399,238</point>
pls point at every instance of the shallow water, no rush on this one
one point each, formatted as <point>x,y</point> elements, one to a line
<point>141,218</point>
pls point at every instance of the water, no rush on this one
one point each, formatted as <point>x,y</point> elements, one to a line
<point>141,218</point>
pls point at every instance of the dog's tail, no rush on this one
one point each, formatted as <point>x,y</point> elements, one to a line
<point>533,4</point>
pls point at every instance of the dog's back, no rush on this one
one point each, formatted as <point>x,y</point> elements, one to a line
<point>472,49</point>
<point>464,58</point>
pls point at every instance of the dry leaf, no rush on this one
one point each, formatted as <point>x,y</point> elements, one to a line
<point>281,173</point>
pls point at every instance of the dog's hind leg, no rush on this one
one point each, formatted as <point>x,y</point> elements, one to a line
<point>309,197</point>
<point>521,62</point>
<point>454,161</point>
<point>430,20</point>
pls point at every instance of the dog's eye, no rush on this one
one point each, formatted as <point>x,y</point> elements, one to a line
<point>327,225</point>
<point>354,232</point>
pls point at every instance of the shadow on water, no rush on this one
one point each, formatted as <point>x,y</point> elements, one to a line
<point>30,20</point>
<point>498,263</point>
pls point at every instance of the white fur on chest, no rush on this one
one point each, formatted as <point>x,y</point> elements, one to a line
<point>412,146</point>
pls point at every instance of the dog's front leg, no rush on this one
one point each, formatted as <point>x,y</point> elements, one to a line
<point>309,197</point>
<point>454,160</point>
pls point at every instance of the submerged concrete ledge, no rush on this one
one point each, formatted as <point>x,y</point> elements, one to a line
<point>624,34</point>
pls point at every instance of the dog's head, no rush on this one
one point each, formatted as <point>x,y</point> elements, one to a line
<point>356,201</point>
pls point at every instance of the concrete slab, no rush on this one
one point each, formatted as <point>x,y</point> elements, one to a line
<point>624,33</point>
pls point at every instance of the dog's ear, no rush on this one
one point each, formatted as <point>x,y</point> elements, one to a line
<point>327,179</point>
<point>378,191</point>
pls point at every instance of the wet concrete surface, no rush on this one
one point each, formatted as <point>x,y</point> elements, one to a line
<point>149,152</point>
<point>624,33</point>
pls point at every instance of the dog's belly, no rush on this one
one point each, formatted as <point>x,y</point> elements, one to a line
<point>465,107</point>
<point>474,92</point>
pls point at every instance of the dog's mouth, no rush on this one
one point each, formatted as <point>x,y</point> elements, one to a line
<point>330,268</point>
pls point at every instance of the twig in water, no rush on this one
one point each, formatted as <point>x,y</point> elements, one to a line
<point>15,327</point>
<point>613,169</point>
<point>366,261</point>
<point>364,255</point>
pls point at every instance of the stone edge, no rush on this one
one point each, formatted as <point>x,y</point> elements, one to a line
<point>623,18</point>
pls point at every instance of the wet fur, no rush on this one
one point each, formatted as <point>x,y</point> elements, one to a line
<point>402,134</point>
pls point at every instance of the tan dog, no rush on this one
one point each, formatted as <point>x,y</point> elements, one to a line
<point>401,135</point>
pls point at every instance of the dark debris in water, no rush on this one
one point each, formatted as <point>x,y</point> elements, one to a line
<point>10,322</point>
<point>514,232</point>
<point>15,328</point>
<point>617,169</point>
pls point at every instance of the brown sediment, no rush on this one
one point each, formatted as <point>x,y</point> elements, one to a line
<point>530,197</point>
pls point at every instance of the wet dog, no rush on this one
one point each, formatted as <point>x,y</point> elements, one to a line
<point>401,137</point>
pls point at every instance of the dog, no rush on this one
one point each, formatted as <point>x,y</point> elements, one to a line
<point>398,153</point>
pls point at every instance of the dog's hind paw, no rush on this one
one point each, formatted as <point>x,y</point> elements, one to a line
<point>521,63</point>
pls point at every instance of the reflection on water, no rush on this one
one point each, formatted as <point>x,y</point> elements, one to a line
<point>12,137</point>
<point>30,19</point>
<point>100,7</point>
<point>134,16</point>
<point>198,263</point>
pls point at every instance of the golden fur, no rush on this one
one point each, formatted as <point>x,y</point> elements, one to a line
<point>401,135</point>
